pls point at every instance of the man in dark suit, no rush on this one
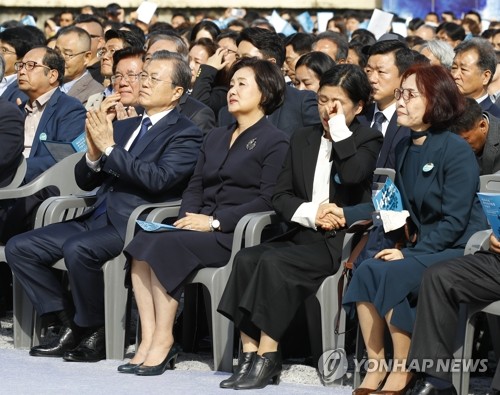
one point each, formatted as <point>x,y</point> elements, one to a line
<point>133,162</point>
<point>200,114</point>
<point>469,279</point>
<point>387,62</point>
<point>473,68</point>
<point>14,43</point>
<point>299,109</point>
<point>482,131</point>
<point>74,44</point>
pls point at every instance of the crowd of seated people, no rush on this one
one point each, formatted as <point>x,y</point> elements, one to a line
<point>236,118</point>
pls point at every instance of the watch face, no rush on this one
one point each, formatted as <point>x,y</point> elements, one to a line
<point>216,224</point>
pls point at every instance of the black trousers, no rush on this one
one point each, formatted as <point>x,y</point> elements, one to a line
<point>270,281</point>
<point>468,279</point>
<point>85,245</point>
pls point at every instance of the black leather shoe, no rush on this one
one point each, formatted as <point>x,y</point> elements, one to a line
<point>68,339</point>
<point>493,391</point>
<point>156,370</point>
<point>91,349</point>
<point>129,367</point>
<point>264,368</point>
<point>423,387</point>
<point>244,363</point>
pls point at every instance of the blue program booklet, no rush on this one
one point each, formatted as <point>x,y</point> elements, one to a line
<point>157,227</point>
<point>61,149</point>
<point>491,207</point>
<point>388,198</point>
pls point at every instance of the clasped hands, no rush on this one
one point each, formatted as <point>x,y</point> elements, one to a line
<point>98,133</point>
<point>330,217</point>
<point>193,221</point>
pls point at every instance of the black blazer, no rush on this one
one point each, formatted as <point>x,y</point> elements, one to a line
<point>393,136</point>
<point>155,170</point>
<point>231,182</point>
<point>492,108</point>
<point>11,140</point>
<point>299,109</point>
<point>200,114</point>
<point>353,161</point>
<point>489,162</point>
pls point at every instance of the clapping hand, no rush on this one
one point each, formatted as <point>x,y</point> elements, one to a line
<point>99,133</point>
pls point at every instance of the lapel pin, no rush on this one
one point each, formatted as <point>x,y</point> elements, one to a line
<point>43,136</point>
<point>428,167</point>
<point>251,144</point>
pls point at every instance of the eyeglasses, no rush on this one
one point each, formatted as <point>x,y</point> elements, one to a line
<point>29,65</point>
<point>128,77</point>
<point>6,50</point>
<point>152,80</point>
<point>69,56</point>
<point>406,94</point>
<point>104,51</point>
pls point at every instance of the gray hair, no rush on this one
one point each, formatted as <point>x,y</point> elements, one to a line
<point>180,45</point>
<point>486,59</point>
<point>441,50</point>
<point>181,75</point>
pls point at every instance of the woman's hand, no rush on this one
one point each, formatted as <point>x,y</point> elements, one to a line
<point>194,221</point>
<point>217,60</point>
<point>389,254</point>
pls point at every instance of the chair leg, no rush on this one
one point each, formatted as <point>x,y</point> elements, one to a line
<point>23,317</point>
<point>467,353</point>
<point>360,345</point>
<point>222,336</point>
<point>115,307</point>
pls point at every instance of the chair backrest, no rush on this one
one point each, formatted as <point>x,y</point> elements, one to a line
<point>490,183</point>
<point>60,175</point>
<point>19,176</point>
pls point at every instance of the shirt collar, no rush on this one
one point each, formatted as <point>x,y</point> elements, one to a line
<point>40,102</point>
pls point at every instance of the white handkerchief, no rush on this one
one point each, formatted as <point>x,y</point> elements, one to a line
<point>393,220</point>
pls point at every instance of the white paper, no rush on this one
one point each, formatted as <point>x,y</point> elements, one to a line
<point>277,21</point>
<point>380,22</point>
<point>323,18</point>
<point>146,11</point>
<point>399,28</point>
<point>393,220</point>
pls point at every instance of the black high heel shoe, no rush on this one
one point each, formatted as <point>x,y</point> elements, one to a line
<point>264,368</point>
<point>170,359</point>
<point>244,365</point>
<point>128,367</point>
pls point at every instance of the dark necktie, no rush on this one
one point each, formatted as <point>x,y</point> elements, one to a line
<point>379,120</point>
<point>146,123</point>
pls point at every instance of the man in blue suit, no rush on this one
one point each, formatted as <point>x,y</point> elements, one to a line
<point>50,114</point>
<point>135,161</point>
<point>387,61</point>
<point>299,109</point>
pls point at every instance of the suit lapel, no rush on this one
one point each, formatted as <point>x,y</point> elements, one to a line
<point>160,127</point>
<point>309,159</point>
<point>491,147</point>
<point>47,114</point>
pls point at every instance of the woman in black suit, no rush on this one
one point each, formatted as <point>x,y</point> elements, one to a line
<point>438,177</point>
<point>235,175</point>
<point>330,162</point>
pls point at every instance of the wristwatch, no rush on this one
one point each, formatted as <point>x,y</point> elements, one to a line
<point>214,224</point>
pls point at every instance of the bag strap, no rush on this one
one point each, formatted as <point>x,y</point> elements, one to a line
<point>359,226</point>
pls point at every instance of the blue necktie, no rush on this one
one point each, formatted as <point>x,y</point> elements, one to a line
<point>146,123</point>
<point>379,120</point>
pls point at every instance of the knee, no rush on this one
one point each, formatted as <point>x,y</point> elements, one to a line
<point>17,246</point>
